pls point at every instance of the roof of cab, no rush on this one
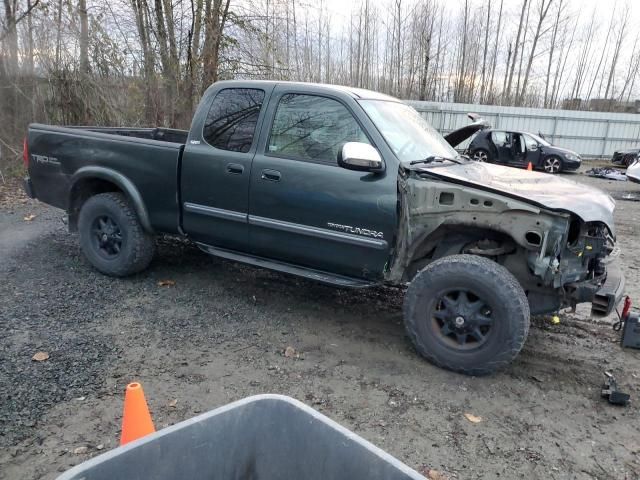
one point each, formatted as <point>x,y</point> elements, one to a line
<point>358,93</point>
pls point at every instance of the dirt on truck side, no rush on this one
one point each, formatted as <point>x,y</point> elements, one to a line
<point>199,332</point>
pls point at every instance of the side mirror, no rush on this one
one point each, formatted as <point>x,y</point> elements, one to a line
<point>534,147</point>
<point>360,156</point>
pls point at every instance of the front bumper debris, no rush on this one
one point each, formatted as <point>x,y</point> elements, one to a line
<point>610,293</point>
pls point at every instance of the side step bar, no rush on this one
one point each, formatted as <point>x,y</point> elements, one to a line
<point>317,275</point>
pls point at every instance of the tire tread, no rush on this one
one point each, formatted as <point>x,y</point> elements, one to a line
<point>143,243</point>
<point>518,308</point>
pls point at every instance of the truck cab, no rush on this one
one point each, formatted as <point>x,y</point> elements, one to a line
<point>260,175</point>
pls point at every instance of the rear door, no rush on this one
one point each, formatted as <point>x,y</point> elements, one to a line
<point>306,210</point>
<point>216,168</point>
<point>504,146</point>
<point>519,155</point>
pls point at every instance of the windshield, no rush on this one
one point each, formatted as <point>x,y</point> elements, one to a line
<point>409,135</point>
<point>540,140</point>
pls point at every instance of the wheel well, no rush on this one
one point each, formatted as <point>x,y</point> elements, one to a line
<point>451,240</point>
<point>81,191</point>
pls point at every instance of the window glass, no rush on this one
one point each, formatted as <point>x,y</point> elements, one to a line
<point>232,118</point>
<point>313,128</point>
<point>531,143</point>
<point>409,135</point>
<point>500,139</point>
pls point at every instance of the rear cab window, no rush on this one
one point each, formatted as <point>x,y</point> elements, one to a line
<point>232,118</point>
<point>312,128</point>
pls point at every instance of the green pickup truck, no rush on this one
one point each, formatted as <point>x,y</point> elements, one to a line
<point>347,187</point>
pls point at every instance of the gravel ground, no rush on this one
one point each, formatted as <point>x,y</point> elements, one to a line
<point>218,334</point>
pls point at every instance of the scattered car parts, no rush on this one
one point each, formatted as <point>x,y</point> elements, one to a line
<point>625,157</point>
<point>611,393</point>
<point>607,173</point>
<point>629,323</point>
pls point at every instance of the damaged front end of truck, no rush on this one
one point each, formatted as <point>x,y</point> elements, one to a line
<point>555,236</point>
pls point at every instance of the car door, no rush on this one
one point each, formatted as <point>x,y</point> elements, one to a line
<point>306,210</point>
<point>533,150</point>
<point>519,151</point>
<point>503,144</point>
<point>216,168</point>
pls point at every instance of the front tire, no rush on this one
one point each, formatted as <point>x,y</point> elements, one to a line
<point>466,313</point>
<point>111,236</point>
<point>552,164</point>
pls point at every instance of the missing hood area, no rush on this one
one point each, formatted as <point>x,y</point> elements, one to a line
<point>535,188</point>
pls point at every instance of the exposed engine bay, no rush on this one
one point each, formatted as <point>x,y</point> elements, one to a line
<point>559,259</point>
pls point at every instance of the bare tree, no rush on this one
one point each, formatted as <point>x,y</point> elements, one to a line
<point>514,56</point>
<point>543,10</point>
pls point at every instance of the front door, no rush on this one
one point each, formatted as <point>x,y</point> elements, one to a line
<point>306,210</point>
<point>533,150</point>
<point>216,168</point>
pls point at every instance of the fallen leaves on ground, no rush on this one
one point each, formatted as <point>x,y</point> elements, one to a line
<point>173,403</point>
<point>80,450</point>
<point>472,418</point>
<point>40,356</point>
<point>289,352</point>
<point>29,217</point>
<point>166,283</point>
<point>432,474</point>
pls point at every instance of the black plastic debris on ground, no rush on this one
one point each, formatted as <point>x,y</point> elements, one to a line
<point>611,393</point>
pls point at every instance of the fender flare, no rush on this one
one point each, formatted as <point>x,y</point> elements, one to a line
<point>118,179</point>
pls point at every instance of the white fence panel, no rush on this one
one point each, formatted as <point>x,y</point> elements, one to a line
<point>591,134</point>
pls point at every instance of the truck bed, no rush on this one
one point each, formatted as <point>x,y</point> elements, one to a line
<point>149,157</point>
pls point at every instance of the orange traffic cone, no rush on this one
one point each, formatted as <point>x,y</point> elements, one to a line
<point>530,167</point>
<point>136,419</point>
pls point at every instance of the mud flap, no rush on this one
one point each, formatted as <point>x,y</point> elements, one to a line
<point>610,293</point>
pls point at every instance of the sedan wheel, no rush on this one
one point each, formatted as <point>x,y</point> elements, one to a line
<point>480,156</point>
<point>552,165</point>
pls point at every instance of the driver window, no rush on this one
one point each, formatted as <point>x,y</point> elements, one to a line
<point>530,143</point>
<point>312,128</point>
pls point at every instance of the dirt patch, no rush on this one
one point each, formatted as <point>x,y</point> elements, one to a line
<point>221,332</point>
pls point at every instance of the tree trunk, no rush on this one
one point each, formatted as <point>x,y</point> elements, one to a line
<point>84,37</point>
<point>214,21</point>
<point>483,85</point>
<point>507,92</point>
<point>542,14</point>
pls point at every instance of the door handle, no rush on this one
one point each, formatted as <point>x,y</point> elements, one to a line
<point>235,168</point>
<point>271,175</point>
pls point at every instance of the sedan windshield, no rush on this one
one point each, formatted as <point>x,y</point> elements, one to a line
<point>540,140</point>
<point>409,135</point>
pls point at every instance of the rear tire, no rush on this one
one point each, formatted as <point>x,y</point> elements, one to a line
<point>480,155</point>
<point>111,236</point>
<point>467,313</point>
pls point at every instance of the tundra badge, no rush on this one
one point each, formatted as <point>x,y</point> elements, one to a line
<point>356,230</point>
